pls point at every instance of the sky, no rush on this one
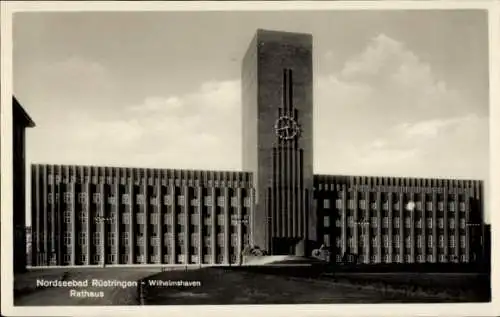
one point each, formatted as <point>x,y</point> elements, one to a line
<point>396,93</point>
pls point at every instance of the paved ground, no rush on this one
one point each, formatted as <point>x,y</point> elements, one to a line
<point>29,295</point>
<point>230,286</point>
<point>220,286</point>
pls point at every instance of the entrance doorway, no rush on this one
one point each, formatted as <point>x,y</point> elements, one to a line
<point>284,246</point>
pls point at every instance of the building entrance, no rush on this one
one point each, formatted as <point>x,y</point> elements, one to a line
<point>285,246</point>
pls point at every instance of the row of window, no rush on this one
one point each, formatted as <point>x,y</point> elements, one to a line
<point>396,241</point>
<point>362,204</point>
<point>220,258</point>
<point>154,239</point>
<point>407,258</point>
<point>396,222</point>
<point>154,218</point>
<point>57,179</point>
<point>140,199</point>
<point>140,259</point>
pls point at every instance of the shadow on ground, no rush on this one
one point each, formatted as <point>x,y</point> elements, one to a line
<point>281,285</point>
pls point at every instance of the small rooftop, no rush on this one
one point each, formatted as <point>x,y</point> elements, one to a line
<point>20,115</point>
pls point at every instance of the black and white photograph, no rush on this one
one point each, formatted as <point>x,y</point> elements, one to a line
<point>249,157</point>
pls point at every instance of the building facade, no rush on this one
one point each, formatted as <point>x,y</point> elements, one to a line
<point>21,121</point>
<point>85,215</point>
<point>401,220</point>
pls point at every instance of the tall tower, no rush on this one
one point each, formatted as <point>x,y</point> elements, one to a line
<point>277,101</point>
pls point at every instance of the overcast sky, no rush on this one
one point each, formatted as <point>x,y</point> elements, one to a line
<point>396,93</point>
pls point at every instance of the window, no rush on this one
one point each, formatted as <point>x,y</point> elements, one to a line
<point>462,242</point>
<point>326,203</point>
<point>220,239</point>
<point>452,223</point>
<point>408,242</point>
<point>67,217</point>
<point>463,258</point>
<point>326,221</point>
<point>418,224</point>
<point>351,204</point>
<point>362,241</point>
<point>350,221</point>
<point>220,201</point>
<point>97,258</point>
<point>96,198</point>
<point>430,242</point>
<point>397,258</point>
<point>111,238</point>
<point>385,222</point>
<point>452,241</point>
<point>140,199</point>
<point>418,205</point>
<point>96,238</point>
<point>420,258</point>
<point>462,206</point>
<point>407,222</point>
<point>442,258</point>
<point>362,204</point>
<point>234,201</point>
<point>246,202</point>
<point>385,238</point>
<point>429,206</point>
<point>429,223</point>
<point>374,222</point>
<point>154,218</point>
<point>83,258</point>
<point>82,238</point>
<point>111,258</point>
<point>67,258</point>
<point>407,258</point>
<point>375,242</point>
<point>462,223</point>
<point>420,241</point>
<point>350,242</point>
<point>338,242</point>
<point>155,241</point>
<point>451,206</point>
<point>387,258</point>
<point>430,258</point>
<point>126,218</point>
<point>167,200</point>
<point>338,203</point>
<point>67,238</point>
<point>396,222</point>
<point>125,237</point>
<point>396,205</point>
<point>326,240</point>
<point>153,200</point>
<point>126,199</point>
<point>338,223</point>
<point>441,241</point>
<point>441,223</point>
<point>385,206</point>
<point>82,198</point>
<point>67,198</point>
<point>208,201</point>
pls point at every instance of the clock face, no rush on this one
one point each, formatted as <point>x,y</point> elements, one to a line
<point>286,128</point>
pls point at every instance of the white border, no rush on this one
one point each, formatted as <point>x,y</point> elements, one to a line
<point>9,7</point>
